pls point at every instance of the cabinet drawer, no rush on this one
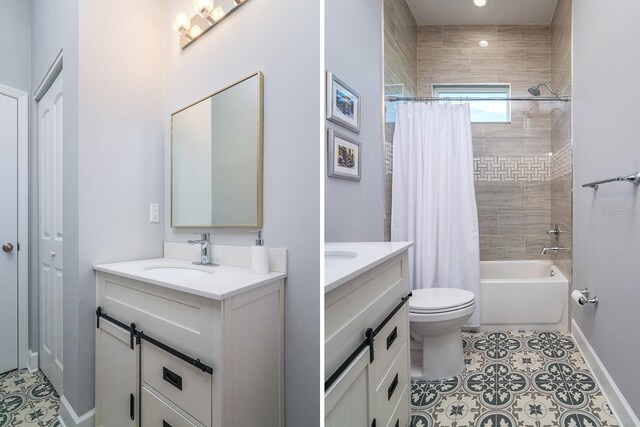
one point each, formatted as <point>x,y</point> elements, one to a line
<point>185,385</point>
<point>156,413</point>
<point>389,340</point>
<point>392,386</point>
<point>402,413</point>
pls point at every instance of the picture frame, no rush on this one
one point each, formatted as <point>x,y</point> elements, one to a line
<point>343,104</point>
<point>344,157</point>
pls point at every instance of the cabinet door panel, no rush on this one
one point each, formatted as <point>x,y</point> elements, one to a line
<point>348,402</point>
<point>157,413</point>
<point>117,367</point>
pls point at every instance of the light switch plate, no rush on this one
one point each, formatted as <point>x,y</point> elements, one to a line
<point>154,212</point>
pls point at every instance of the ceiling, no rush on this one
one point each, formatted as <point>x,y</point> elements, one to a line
<point>463,12</point>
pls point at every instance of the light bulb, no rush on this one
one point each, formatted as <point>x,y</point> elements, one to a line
<point>483,43</point>
<point>195,31</point>
<point>217,14</point>
<point>480,3</point>
<point>181,24</point>
<point>203,7</point>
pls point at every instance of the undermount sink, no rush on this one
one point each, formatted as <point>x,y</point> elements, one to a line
<point>336,255</point>
<point>179,271</point>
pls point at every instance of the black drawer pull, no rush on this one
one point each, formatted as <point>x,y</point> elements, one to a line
<point>132,405</point>
<point>392,387</point>
<point>392,337</point>
<point>172,378</point>
<point>166,424</point>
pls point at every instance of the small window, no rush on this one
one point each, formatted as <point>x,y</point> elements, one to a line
<point>481,111</point>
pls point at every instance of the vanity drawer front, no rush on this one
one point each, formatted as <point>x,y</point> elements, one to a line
<point>392,386</point>
<point>185,385</point>
<point>389,340</point>
<point>156,413</point>
<point>401,415</point>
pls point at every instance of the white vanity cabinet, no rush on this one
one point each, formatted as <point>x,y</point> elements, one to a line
<point>238,335</point>
<point>367,381</point>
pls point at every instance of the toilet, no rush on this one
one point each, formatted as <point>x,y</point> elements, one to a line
<point>436,318</point>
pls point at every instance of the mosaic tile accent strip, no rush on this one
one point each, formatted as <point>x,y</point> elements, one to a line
<point>514,379</point>
<point>561,162</point>
<point>28,399</point>
<point>511,169</point>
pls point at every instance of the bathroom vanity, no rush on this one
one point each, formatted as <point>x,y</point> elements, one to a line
<point>182,345</point>
<point>366,367</point>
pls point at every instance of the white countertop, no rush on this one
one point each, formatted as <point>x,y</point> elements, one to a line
<point>338,271</point>
<point>224,282</point>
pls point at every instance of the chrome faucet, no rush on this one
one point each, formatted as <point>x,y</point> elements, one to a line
<point>547,251</point>
<point>205,244</point>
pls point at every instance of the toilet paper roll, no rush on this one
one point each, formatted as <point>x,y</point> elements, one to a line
<point>578,297</point>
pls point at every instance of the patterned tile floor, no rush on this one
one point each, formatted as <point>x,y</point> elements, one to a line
<point>27,399</point>
<point>514,379</point>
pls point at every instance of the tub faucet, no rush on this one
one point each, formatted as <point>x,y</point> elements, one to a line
<point>553,251</point>
<point>205,244</point>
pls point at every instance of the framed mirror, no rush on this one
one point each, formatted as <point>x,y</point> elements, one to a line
<point>216,158</point>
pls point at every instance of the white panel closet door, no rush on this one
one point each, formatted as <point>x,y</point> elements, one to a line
<point>51,234</point>
<point>8,233</point>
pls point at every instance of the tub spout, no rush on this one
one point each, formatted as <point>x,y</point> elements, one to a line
<point>553,251</point>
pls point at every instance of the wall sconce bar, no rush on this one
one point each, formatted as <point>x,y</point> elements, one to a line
<point>199,25</point>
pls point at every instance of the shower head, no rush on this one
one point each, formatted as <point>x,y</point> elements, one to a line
<point>535,90</point>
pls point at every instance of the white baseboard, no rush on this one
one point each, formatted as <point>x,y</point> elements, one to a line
<point>69,418</point>
<point>32,364</point>
<point>619,405</point>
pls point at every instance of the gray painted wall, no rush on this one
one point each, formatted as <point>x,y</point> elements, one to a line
<point>281,38</point>
<point>354,211</point>
<point>607,222</point>
<point>15,44</point>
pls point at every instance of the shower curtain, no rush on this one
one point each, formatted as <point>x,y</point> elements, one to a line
<point>433,197</point>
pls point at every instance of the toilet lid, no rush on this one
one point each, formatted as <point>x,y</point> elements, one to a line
<point>437,300</point>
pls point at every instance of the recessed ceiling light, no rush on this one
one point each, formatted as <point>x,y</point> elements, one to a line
<point>480,3</point>
<point>483,43</point>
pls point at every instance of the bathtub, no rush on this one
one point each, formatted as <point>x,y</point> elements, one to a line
<point>523,295</point>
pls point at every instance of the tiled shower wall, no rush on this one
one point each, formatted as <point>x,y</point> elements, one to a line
<point>400,68</point>
<point>561,162</point>
<point>513,182</point>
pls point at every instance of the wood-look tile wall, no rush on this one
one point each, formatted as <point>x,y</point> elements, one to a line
<point>400,67</point>
<point>561,165</point>
<point>513,215</point>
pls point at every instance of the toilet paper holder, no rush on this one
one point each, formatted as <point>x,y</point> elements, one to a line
<point>587,300</point>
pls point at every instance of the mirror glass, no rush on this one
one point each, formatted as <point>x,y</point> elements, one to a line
<point>216,158</point>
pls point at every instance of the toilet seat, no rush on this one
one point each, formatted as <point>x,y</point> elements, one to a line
<point>440,300</point>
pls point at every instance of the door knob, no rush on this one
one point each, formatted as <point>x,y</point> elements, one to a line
<point>7,247</point>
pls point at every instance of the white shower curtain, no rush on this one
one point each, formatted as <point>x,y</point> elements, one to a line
<point>433,197</point>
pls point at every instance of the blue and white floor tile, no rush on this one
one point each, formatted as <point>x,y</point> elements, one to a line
<point>27,399</point>
<point>514,379</point>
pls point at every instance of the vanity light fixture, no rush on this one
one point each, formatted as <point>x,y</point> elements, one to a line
<point>217,14</point>
<point>207,16</point>
<point>195,32</point>
<point>480,3</point>
<point>203,7</point>
<point>483,43</point>
<point>182,24</point>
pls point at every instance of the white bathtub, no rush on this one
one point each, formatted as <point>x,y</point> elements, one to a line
<point>523,295</point>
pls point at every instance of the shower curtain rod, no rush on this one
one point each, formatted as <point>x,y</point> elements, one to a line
<point>463,99</point>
